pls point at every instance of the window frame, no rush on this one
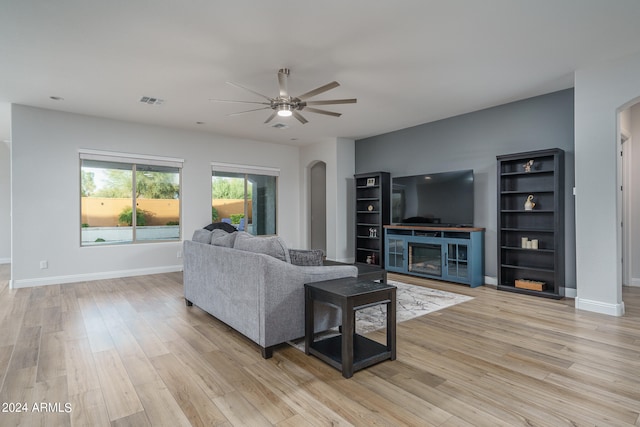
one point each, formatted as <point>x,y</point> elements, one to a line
<point>133,160</point>
<point>247,170</point>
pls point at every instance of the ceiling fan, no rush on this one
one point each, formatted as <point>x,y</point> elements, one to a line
<point>285,105</point>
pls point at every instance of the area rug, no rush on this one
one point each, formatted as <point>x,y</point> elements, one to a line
<point>412,301</point>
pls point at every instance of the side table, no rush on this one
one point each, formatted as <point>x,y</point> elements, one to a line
<point>365,271</point>
<point>348,351</point>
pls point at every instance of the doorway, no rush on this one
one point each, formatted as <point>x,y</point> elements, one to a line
<point>626,225</point>
<point>629,200</point>
<point>318,208</point>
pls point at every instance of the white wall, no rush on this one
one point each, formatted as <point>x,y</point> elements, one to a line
<point>345,199</point>
<point>339,156</point>
<point>46,203</point>
<point>5,203</point>
<point>600,92</point>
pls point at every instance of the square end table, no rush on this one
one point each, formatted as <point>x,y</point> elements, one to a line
<point>350,352</point>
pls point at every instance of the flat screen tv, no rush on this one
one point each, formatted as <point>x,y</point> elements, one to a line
<point>438,199</point>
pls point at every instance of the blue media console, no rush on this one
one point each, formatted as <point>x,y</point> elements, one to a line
<point>444,253</point>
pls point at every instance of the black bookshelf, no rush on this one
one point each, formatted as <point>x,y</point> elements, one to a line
<point>531,239</point>
<point>373,212</point>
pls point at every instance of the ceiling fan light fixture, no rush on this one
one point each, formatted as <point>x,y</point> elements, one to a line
<point>284,110</point>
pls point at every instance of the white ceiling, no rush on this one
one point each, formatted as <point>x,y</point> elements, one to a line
<point>408,62</point>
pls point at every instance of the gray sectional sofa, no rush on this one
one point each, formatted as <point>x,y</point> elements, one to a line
<point>251,284</point>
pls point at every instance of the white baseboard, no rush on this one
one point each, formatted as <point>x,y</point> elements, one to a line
<point>634,282</point>
<point>56,280</point>
<point>488,280</point>
<point>5,260</point>
<point>570,292</point>
<point>600,307</point>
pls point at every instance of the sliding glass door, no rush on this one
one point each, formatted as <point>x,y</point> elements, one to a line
<point>245,200</point>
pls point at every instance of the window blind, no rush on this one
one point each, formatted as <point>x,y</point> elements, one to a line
<point>260,170</point>
<point>141,159</point>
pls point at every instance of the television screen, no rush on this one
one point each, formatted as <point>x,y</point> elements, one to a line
<point>439,199</point>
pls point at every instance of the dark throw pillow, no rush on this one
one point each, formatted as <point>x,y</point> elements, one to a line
<point>221,226</point>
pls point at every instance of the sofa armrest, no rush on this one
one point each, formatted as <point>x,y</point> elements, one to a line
<point>284,298</point>
<point>304,257</point>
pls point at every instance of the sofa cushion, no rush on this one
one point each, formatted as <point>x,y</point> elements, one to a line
<point>273,246</point>
<point>220,237</point>
<point>220,226</point>
<point>202,236</point>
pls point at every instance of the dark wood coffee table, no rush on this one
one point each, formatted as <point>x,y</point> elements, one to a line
<point>365,271</point>
<point>348,351</point>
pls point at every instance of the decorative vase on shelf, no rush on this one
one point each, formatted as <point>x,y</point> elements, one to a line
<point>527,166</point>
<point>529,204</point>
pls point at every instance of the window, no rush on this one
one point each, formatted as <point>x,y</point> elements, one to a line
<point>245,197</point>
<point>126,199</point>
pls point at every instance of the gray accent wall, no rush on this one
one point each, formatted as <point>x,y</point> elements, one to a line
<point>472,141</point>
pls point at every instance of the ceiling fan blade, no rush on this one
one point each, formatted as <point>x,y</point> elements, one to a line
<point>333,101</point>
<point>248,111</point>
<point>325,112</point>
<point>271,117</point>
<point>300,117</point>
<point>283,74</point>
<point>239,102</point>
<point>250,90</point>
<point>318,91</point>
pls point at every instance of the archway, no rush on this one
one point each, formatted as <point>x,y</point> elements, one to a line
<point>318,206</point>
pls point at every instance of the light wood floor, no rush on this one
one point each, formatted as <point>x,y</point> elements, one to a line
<point>128,352</point>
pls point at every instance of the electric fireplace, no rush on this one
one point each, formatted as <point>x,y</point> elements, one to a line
<point>425,258</point>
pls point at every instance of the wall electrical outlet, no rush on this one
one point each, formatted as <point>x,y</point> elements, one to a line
<point>44,264</point>
<point>179,254</point>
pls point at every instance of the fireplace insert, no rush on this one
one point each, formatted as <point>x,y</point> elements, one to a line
<point>425,258</point>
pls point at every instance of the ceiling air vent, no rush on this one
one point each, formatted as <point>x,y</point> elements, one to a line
<point>151,101</point>
<point>279,126</point>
